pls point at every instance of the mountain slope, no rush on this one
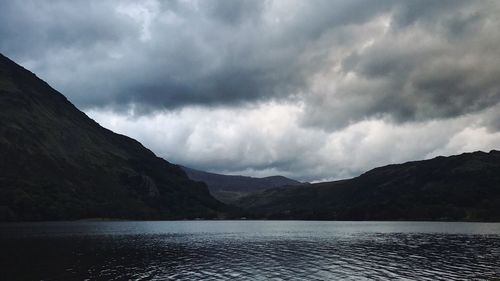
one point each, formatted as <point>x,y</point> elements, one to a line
<point>462,187</point>
<point>56,163</point>
<point>229,188</point>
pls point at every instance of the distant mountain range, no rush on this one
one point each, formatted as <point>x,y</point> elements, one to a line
<point>465,187</point>
<point>57,163</point>
<point>228,188</point>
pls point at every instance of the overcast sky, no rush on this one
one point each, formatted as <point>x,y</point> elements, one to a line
<point>314,90</point>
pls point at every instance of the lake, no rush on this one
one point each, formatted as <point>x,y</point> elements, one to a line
<point>249,250</point>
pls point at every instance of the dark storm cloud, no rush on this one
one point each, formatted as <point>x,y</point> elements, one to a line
<point>434,60</point>
<point>33,28</point>
<point>195,52</point>
<point>233,12</point>
<point>346,61</point>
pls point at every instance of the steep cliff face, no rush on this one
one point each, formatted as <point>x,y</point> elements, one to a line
<point>57,163</point>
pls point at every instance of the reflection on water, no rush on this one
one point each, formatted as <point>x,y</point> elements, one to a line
<point>249,250</point>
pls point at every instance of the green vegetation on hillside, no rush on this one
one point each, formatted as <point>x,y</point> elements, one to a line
<point>463,187</point>
<point>56,163</point>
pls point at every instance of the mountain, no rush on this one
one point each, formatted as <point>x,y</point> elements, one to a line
<point>229,188</point>
<point>57,163</point>
<point>462,187</point>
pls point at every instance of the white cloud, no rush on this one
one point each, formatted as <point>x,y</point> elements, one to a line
<point>266,140</point>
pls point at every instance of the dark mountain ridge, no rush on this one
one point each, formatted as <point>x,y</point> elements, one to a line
<point>229,188</point>
<point>460,187</point>
<point>57,163</point>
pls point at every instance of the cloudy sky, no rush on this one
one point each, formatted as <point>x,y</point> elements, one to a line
<point>315,90</point>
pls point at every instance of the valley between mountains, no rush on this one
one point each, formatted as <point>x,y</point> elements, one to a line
<point>58,164</point>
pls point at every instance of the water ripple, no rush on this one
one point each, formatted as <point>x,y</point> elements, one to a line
<point>250,256</point>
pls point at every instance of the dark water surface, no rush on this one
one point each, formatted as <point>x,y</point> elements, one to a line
<point>249,250</point>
